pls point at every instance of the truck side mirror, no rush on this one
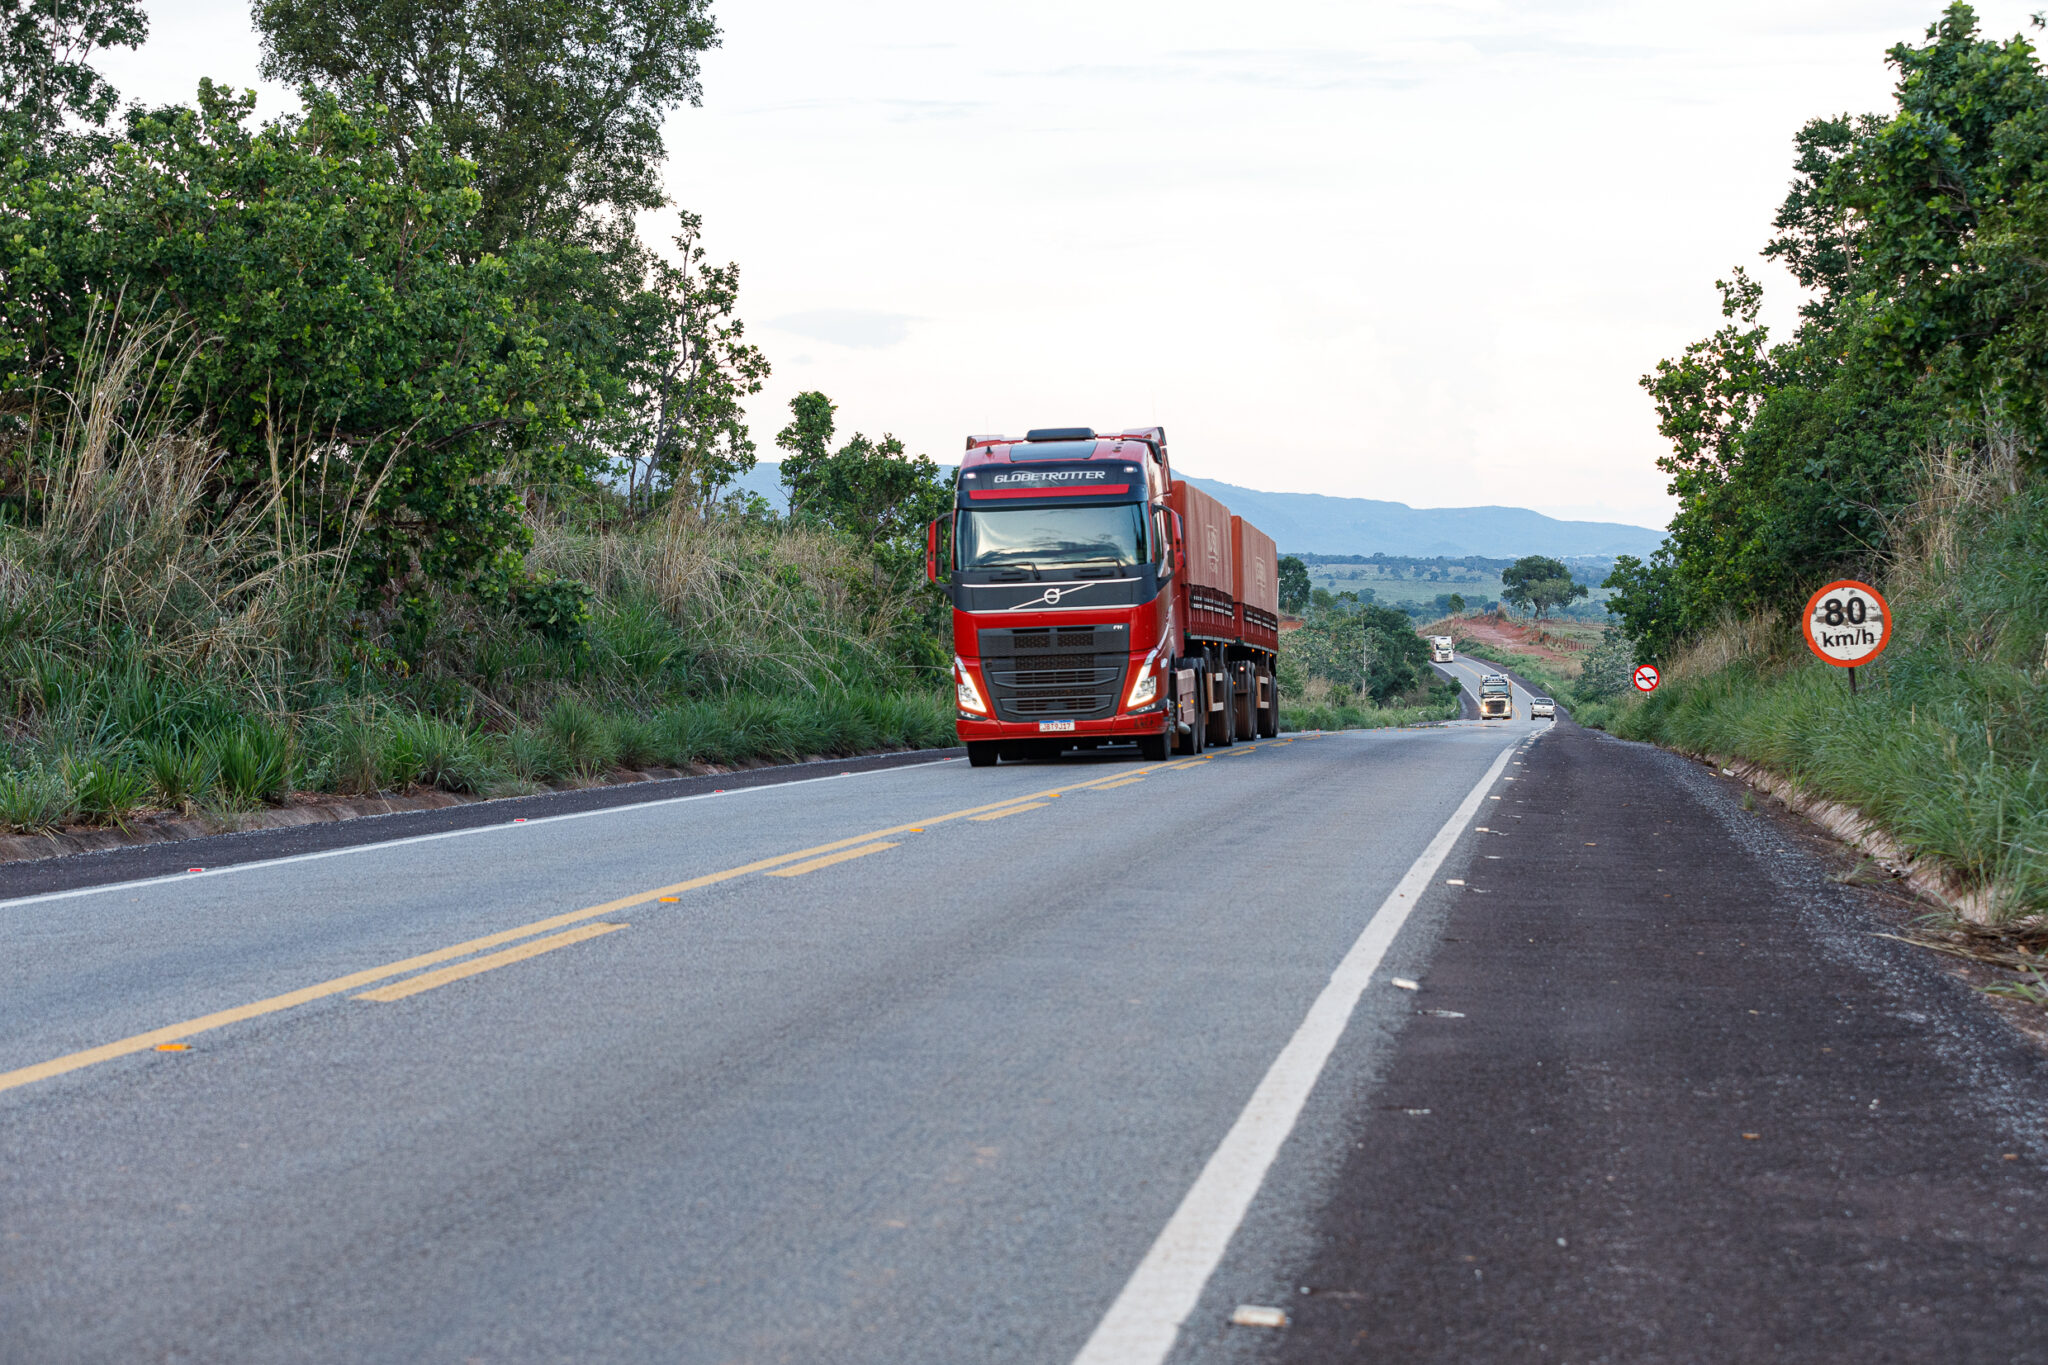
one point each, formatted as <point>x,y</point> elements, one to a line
<point>1180,544</point>
<point>931,551</point>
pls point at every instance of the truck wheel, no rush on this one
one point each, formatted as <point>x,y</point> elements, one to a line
<point>1269,716</point>
<point>1246,706</point>
<point>981,753</point>
<point>1192,742</point>
<point>1152,748</point>
<point>1221,734</point>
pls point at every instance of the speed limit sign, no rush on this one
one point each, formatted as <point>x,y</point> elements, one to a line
<point>1647,678</point>
<point>1847,623</point>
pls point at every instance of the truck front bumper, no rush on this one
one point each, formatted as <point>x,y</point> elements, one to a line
<point>1139,725</point>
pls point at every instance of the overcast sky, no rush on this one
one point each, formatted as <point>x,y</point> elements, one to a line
<point>1415,251</point>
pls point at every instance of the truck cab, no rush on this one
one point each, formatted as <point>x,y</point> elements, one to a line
<point>1440,648</point>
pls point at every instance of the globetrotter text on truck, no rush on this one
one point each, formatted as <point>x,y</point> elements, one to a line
<point>1099,601</point>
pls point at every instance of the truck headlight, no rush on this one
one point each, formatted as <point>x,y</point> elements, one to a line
<point>1144,689</point>
<point>964,690</point>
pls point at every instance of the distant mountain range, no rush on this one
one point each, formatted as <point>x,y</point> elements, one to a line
<point>1312,523</point>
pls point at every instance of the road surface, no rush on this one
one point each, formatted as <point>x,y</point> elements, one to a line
<point>1033,1063</point>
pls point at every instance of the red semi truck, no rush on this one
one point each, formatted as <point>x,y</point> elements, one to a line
<point>1099,601</point>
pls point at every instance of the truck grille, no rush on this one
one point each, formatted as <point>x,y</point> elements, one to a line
<point>1072,673</point>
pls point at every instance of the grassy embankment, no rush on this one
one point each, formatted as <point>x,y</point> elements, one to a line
<point>160,658</point>
<point>1945,746</point>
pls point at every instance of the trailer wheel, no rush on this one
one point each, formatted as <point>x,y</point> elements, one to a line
<point>1269,716</point>
<point>981,753</point>
<point>1245,704</point>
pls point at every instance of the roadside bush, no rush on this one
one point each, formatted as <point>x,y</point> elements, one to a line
<point>33,800</point>
<point>254,762</point>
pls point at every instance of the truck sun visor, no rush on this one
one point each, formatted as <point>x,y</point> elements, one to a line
<point>1033,451</point>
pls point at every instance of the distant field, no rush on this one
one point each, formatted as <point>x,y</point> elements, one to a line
<point>1395,585</point>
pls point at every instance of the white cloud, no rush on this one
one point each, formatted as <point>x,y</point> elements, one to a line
<point>850,327</point>
<point>1415,250</point>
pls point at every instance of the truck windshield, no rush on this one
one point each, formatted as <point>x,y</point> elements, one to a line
<point>1039,537</point>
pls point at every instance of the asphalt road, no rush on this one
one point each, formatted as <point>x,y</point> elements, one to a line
<point>1034,1063</point>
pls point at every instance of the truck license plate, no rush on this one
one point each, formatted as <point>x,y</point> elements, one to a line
<point>1046,725</point>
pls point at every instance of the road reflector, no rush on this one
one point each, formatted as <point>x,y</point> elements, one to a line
<point>1455,881</point>
<point>195,869</point>
<point>1751,1137</point>
<point>668,900</point>
<point>173,1047</point>
<point>1403,983</point>
<point>1252,1315</point>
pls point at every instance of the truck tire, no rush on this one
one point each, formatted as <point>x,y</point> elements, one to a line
<point>1152,748</point>
<point>1221,732</point>
<point>1246,704</point>
<point>1269,715</point>
<point>981,753</point>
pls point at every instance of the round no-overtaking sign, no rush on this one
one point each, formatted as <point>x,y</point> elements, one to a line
<point>1847,623</point>
<point>1646,678</point>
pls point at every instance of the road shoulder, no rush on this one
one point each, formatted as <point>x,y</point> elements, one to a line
<point>1681,1103</point>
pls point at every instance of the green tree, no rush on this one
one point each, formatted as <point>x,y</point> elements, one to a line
<point>1540,583</point>
<point>558,102</point>
<point>46,74</point>
<point>682,426</point>
<point>1294,584</point>
<point>1645,598</point>
<point>872,491</point>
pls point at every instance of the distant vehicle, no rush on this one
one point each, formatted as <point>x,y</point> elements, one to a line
<point>1496,698</point>
<point>1440,647</point>
<point>1542,706</point>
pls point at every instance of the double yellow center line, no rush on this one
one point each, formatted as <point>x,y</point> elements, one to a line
<point>790,864</point>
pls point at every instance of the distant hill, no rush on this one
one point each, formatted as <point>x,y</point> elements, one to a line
<point>1310,523</point>
<point>1313,523</point>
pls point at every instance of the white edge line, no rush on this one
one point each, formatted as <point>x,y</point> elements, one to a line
<point>1142,1325</point>
<point>506,824</point>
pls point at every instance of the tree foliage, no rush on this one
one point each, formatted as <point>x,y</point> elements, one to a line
<point>46,75</point>
<point>559,103</point>
<point>1294,584</point>
<point>1923,236</point>
<point>682,428</point>
<point>1540,584</point>
<point>872,491</point>
<point>348,334</point>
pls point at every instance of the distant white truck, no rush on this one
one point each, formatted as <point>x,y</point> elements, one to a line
<point>1440,648</point>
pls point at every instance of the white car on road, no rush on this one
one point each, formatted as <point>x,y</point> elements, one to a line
<point>1542,706</point>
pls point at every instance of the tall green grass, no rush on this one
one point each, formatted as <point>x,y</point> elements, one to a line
<point>157,654</point>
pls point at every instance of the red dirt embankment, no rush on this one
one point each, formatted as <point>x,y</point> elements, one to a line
<point>1507,633</point>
